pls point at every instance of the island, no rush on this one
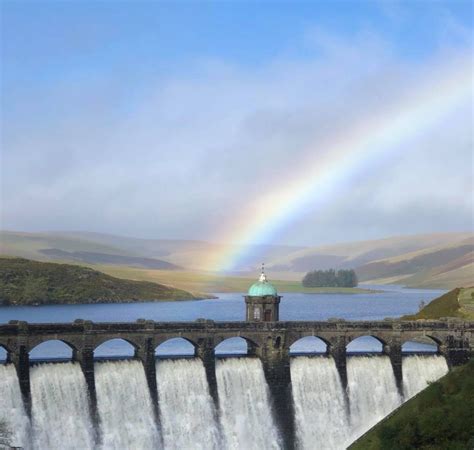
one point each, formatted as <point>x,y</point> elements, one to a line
<point>28,282</point>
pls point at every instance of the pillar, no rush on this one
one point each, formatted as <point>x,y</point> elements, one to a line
<point>85,357</point>
<point>147,356</point>
<point>276,367</point>
<point>394,352</point>
<point>21,361</point>
<point>338,352</point>
<point>456,350</point>
<point>205,351</point>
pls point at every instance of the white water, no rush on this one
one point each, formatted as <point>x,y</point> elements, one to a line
<point>245,411</point>
<point>188,416</point>
<point>61,420</point>
<point>125,407</point>
<point>12,412</point>
<point>419,371</point>
<point>320,410</point>
<point>372,392</point>
<point>60,408</point>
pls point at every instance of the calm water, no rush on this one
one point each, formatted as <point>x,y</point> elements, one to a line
<point>394,301</point>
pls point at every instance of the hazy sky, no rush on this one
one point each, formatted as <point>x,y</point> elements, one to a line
<point>167,119</point>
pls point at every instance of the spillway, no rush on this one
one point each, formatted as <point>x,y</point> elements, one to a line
<point>320,409</point>
<point>60,408</point>
<point>187,412</point>
<point>372,392</point>
<point>326,417</point>
<point>125,409</point>
<point>244,402</point>
<point>12,411</point>
<point>419,371</point>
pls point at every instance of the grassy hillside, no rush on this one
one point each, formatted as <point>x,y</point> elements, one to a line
<point>26,282</point>
<point>440,418</point>
<point>458,302</point>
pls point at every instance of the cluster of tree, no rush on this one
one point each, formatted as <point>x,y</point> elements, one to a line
<point>330,278</point>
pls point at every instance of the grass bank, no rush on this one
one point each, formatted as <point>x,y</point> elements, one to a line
<point>458,302</point>
<point>439,418</point>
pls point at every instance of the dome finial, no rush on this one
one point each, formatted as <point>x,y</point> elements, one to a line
<point>263,277</point>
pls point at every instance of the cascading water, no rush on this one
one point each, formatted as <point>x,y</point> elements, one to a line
<point>372,391</point>
<point>60,408</point>
<point>125,408</point>
<point>419,371</point>
<point>320,409</point>
<point>188,416</point>
<point>61,419</point>
<point>12,412</point>
<point>244,402</point>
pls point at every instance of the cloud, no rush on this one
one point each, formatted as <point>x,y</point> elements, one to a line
<point>179,156</point>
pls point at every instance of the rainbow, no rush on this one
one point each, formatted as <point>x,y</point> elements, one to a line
<point>321,178</point>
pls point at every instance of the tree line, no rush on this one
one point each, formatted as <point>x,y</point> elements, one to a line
<point>330,278</point>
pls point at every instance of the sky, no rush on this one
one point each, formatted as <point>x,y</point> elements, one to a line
<point>178,120</point>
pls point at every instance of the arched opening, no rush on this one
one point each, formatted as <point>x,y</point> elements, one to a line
<point>308,345</point>
<point>53,350</point>
<point>421,345</point>
<point>234,346</point>
<point>175,348</point>
<point>365,344</point>
<point>114,349</point>
<point>3,355</point>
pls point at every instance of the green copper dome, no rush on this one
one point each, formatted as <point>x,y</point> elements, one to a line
<point>262,288</point>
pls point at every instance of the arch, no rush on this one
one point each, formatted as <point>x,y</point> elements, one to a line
<point>309,345</point>
<point>115,348</point>
<point>365,344</point>
<point>52,349</point>
<point>234,346</point>
<point>421,344</point>
<point>4,354</point>
<point>176,347</point>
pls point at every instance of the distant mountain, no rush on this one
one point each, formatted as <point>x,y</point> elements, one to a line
<point>26,282</point>
<point>443,260</point>
<point>356,254</point>
<point>65,248</point>
<point>445,266</point>
<point>100,248</point>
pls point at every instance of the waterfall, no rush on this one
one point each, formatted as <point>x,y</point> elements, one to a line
<point>372,390</point>
<point>419,371</point>
<point>320,410</point>
<point>125,408</point>
<point>188,416</point>
<point>60,407</point>
<point>244,402</point>
<point>12,412</point>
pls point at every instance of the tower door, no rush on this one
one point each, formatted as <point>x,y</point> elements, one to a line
<point>268,315</point>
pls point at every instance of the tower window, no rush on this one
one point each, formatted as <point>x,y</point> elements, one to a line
<point>256,313</point>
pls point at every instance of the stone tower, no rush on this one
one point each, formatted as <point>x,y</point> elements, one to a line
<point>262,301</point>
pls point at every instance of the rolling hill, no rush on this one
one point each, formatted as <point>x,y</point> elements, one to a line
<point>440,260</point>
<point>26,282</point>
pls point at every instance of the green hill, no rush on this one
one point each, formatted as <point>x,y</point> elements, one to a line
<point>26,282</point>
<point>439,418</point>
<point>458,302</point>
